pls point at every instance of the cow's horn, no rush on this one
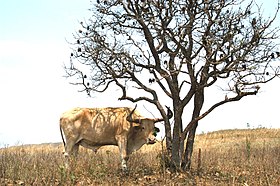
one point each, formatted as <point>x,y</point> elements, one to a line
<point>158,119</point>
<point>169,115</point>
<point>129,117</point>
<point>169,112</point>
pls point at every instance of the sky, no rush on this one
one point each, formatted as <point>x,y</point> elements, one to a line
<point>34,93</point>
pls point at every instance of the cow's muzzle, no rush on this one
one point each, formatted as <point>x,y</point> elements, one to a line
<point>151,141</point>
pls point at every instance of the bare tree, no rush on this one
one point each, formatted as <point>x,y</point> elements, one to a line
<point>178,48</point>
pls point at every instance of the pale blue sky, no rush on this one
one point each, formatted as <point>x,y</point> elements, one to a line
<point>33,92</point>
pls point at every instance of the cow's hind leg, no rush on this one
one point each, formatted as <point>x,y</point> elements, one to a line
<point>71,151</point>
<point>75,150</point>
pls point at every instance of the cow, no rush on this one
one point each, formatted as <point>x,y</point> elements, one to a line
<point>96,127</point>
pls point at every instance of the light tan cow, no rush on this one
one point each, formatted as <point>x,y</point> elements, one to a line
<point>96,127</point>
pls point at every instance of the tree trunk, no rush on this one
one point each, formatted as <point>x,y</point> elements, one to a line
<point>186,163</point>
<point>198,103</point>
<point>176,141</point>
<point>168,138</point>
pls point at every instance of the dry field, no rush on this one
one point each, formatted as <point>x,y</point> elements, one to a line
<point>231,157</point>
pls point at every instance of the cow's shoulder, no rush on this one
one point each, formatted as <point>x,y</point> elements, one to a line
<point>126,110</point>
<point>110,110</point>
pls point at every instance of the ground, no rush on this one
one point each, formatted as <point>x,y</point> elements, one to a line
<point>229,157</point>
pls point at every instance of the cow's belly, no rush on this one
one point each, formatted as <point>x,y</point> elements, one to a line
<point>90,143</point>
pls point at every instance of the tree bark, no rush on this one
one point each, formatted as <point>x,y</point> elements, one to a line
<point>198,103</point>
<point>168,138</point>
<point>186,163</point>
<point>176,141</point>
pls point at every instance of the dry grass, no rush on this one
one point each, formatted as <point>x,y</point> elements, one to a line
<point>232,157</point>
<point>241,157</point>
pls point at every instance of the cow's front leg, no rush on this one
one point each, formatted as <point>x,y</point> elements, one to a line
<point>122,144</point>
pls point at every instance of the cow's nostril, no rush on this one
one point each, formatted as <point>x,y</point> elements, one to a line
<point>151,141</point>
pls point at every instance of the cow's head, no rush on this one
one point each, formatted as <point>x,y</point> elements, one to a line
<point>144,128</point>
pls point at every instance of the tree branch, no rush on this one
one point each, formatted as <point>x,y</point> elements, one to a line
<point>239,96</point>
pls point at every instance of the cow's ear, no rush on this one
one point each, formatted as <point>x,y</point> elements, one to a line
<point>157,129</point>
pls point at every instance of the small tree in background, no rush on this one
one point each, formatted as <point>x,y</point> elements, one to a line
<point>178,49</point>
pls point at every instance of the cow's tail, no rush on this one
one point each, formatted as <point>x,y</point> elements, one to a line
<point>62,136</point>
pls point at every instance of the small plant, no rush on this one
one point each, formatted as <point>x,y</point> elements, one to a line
<point>248,148</point>
<point>63,174</point>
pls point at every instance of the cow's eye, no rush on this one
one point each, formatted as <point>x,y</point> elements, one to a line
<point>139,128</point>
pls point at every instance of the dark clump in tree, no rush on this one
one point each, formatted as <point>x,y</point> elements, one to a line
<point>177,49</point>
